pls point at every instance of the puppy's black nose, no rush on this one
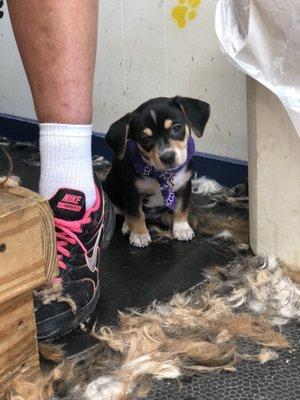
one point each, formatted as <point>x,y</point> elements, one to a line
<point>168,157</point>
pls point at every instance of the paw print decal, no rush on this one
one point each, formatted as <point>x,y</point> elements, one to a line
<point>1,12</point>
<point>185,10</point>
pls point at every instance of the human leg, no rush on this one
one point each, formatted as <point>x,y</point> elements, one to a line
<point>57,43</point>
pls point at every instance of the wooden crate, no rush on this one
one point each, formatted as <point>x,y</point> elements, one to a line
<point>27,260</point>
<point>18,345</point>
<point>27,242</point>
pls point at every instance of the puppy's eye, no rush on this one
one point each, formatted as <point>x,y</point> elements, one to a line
<point>176,128</point>
<point>145,140</point>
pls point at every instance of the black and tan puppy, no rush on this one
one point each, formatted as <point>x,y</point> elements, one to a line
<point>152,170</point>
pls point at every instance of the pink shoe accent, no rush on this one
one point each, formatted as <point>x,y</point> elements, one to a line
<point>68,230</point>
<point>66,206</point>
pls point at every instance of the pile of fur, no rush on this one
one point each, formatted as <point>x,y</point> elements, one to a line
<point>231,231</point>
<point>195,332</point>
<point>236,197</point>
<point>260,285</point>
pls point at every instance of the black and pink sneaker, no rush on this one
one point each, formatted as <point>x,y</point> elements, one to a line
<point>81,235</point>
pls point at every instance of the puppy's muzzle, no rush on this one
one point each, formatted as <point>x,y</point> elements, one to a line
<point>168,158</point>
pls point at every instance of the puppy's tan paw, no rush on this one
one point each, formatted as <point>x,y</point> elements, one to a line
<point>140,240</point>
<point>182,231</point>
<point>125,228</point>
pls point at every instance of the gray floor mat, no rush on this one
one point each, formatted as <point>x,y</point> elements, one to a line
<point>276,380</point>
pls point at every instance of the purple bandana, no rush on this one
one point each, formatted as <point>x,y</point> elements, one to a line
<point>164,178</point>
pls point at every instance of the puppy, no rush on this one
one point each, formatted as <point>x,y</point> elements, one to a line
<point>152,169</point>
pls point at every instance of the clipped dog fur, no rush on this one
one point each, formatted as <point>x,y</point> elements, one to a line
<point>260,285</point>
<point>231,231</point>
<point>53,292</point>
<point>293,275</point>
<point>214,225</point>
<point>7,182</point>
<point>236,197</point>
<point>197,331</point>
<point>101,166</point>
<point>206,186</point>
<point>51,352</point>
<point>99,161</point>
<point>43,387</point>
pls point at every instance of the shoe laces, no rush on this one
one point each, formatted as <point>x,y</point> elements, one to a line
<point>66,233</point>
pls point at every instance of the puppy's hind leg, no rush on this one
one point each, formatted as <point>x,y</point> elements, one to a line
<point>125,228</point>
<point>167,219</point>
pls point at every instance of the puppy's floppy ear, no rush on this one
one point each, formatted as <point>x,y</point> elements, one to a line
<point>117,135</point>
<point>196,113</point>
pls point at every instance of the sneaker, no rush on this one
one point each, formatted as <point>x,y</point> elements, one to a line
<point>81,235</point>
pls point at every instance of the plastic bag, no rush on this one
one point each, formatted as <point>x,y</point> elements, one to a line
<point>262,37</point>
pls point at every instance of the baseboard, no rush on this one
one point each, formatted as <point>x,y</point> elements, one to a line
<point>226,171</point>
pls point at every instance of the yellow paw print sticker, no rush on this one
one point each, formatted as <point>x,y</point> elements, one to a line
<point>184,11</point>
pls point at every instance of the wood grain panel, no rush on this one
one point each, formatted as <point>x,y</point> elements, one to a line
<point>27,242</point>
<point>18,345</point>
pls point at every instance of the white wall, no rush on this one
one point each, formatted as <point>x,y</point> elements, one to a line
<point>143,53</point>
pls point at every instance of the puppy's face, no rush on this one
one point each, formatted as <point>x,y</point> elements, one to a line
<point>161,128</point>
<point>161,133</point>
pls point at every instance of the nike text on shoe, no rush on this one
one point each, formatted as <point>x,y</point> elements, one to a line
<point>81,235</point>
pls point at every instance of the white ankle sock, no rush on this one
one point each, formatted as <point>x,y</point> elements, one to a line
<point>66,160</point>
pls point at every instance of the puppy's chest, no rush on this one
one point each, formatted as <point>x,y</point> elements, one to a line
<point>151,190</point>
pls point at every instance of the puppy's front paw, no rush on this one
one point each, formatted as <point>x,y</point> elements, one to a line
<point>182,231</point>
<point>138,240</point>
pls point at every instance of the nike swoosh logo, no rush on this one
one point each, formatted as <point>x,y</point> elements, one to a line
<point>91,262</point>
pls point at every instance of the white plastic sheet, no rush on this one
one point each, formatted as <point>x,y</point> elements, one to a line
<point>262,37</point>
